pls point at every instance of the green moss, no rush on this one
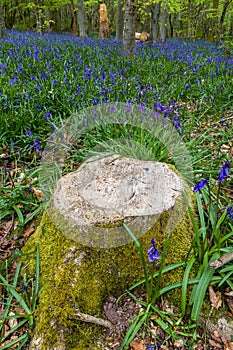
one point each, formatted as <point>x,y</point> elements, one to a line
<point>75,277</point>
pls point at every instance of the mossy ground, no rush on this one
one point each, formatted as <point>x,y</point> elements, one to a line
<point>75,277</point>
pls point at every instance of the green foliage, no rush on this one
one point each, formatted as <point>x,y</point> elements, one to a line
<point>21,293</point>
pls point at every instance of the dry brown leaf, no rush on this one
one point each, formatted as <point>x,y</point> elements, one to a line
<point>214,344</point>
<point>179,343</point>
<point>229,301</point>
<point>229,294</point>
<point>215,298</point>
<point>28,231</point>
<point>38,193</point>
<point>12,321</point>
<point>229,346</point>
<point>138,346</point>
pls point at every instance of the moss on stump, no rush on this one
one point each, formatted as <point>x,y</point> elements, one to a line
<point>77,278</point>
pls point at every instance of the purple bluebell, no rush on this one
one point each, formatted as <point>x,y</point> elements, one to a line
<point>152,251</point>
<point>36,145</point>
<point>224,172</point>
<point>28,133</point>
<point>200,185</point>
<point>230,211</point>
<point>52,127</point>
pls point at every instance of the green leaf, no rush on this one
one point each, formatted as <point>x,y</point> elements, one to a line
<point>13,342</point>
<point>200,292</point>
<point>185,285</point>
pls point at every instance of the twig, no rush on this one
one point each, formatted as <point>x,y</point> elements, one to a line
<point>221,261</point>
<point>91,319</point>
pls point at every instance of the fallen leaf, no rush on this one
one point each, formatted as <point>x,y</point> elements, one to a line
<point>12,321</point>
<point>229,346</point>
<point>215,298</point>
<point>229,301</point>
<point>214,344</point>
<point>229,294</point>
<point>138,346</point>
<point>179,343</point>
<point>38,193</point>
<point>28,231</point>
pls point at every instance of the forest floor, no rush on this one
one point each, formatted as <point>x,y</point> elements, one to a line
<point>120,314</point>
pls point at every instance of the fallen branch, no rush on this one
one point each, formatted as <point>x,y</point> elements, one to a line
<point>221,261</point>
<point>91,319</point>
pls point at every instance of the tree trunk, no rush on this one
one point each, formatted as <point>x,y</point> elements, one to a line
<point>171,27</point>
<point>214,28</point>
<point>163,28</point>
<point>189,21</point>
<point>120,20</point>
<point>129,27</point>
<point>104,31</point>
<point>74,17</point>
<point>82,19</point>
<point>2,23</point>
<point>225,6</point>
<point>155,12</point>
<point>55,16</point>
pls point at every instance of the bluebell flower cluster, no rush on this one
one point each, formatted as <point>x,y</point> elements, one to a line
<point>96,72</point>
<point>153,252</point>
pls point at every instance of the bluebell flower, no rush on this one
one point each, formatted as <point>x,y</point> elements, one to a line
<point>36,145</point>
<point>28,133</point>
<point>200,185</point>
<point>224,172</point>
<point>11,145</point>
<point>52,127</point>
<point>152,251</point>
<point>230,211</point>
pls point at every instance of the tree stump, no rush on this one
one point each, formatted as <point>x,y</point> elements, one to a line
<point>87,255</point>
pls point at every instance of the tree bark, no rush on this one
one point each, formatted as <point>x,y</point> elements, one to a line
<point>163,28</point>
<point>225,6</point>
<point>55,16</point>
<point>129,27</point>
<point>155,12</point>
<point>214,28</point>
<point>104,30</point>
<point>82,19</point>
<point>189,21</point>
<point>74,16</point>
<point>120,20</point>
<point>2,23</point>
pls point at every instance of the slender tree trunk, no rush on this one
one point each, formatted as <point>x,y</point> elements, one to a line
<point>74,16</point>
<point>120,21</point>
<point>231,27</point>
<point>225,6</point>
<point>214,28</point>
<point>2,23</point>
<point>163,28</point>
<point>56,18</point>
<point>155,12</point>
<point>189,20</point>
<point>129,27</point>
<point>82,19</point>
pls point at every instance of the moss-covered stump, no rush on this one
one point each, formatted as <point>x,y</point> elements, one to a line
<point>76,277</point>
